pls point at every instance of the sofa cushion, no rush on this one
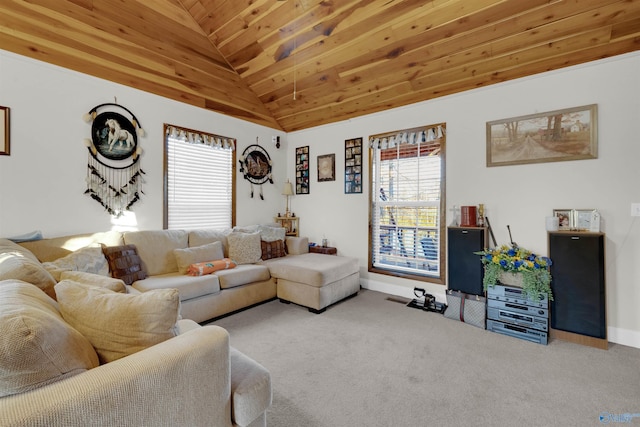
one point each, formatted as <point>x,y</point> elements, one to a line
<point>244,248</point>
<point>116,324</point>
<point>274,249</point>
<point>312,269</point>
<point>188,286</point>
<point>209,235</point>
<point>124,263</point>
<point>242,275</point>
<point>297,245</point>
<point>19,263</point>
<point>37,347</point>
<point>56,247</point>
<point>113,284</point>
<point>187,256</point>
<point>209,267</point>
<point>89,259</point>
<point>155,247</point>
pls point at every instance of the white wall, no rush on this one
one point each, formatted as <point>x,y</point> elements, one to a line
<point>520,196</point>
<point>43,180</point>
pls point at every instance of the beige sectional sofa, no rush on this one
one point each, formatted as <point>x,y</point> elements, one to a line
<point>217,384</point>
<point>308,279</point>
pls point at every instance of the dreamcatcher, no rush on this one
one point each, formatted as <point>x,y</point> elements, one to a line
<point>114,177</point>
<point>255,164</point>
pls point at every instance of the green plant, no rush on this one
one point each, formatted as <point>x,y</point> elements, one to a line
<point>534,269</point>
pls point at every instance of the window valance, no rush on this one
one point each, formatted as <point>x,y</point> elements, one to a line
<point>196,137</point>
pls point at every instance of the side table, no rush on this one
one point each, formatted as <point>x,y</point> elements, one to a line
<point>327,250</point>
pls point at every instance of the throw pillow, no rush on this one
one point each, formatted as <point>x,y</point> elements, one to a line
<point>187,256</point>
<point>113,284</point>
<point>37,347</point>
<point>124,263</point>
<point>244,248</point>
<point>271,234</point>
<point>19,263</point>
<point>89,259</point>
<point>208,267</point>
<point>297,245</point>
<point>116,324</point>
<point>273,249</point>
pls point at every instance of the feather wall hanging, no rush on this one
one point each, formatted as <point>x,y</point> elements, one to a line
<point>255,165</point>
<point>114,176</point>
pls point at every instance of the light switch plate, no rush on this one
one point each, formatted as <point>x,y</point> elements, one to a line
<point>635,209</point>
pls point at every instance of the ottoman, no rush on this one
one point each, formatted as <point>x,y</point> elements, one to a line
<point>315,280</point>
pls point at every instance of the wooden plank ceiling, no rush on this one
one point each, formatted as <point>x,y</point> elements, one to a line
<point>296,64</point>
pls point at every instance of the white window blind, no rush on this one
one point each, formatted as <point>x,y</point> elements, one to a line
<point>199,180</point>
<point>407,184</point>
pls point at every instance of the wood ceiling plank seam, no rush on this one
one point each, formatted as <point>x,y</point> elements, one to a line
<point>295,123</point>
<point>340,67</point>
<point>600,35</point>
<point>626,29</point>
<point>151,32</point>
<point>255,20</point>
<point>96,20</point>
<point>482,35</point>
<point>317,50</point>
<point>346,43</point>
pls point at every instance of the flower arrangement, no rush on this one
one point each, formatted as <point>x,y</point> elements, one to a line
<point>532,268</point>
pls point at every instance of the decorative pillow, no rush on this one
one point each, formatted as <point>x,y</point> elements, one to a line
<point>113,284</point>
<point>203,236</point>
<point>186,257</point>
<point>89,259</point>
<point>37,347</point>
<point>244,248</point>
<point>271,234</point>
<point>124,263</point>
<point>118,325</point>
<point>297,245</point>
<point>208,267</point>
<point>19,263</point>
<point>273,249</point>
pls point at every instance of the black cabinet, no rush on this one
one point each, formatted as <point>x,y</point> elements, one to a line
<point>578,309</point>
<point>465,271</point>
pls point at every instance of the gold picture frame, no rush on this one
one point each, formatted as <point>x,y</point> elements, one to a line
<point>553,136</point>
<point>4,131</point>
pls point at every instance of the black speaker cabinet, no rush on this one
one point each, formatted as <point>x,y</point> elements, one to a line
<point>465,271</point>
<point>578,285</point>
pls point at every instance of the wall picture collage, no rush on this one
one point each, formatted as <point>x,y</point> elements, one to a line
<point>353,166</point>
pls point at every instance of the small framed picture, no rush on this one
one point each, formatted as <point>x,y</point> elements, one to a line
<point>327,167</point>
<point>4,131</point>
<point>565,217</point>
<point>582,219</point>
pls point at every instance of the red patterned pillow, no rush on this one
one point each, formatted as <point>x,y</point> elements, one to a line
<point>124,263</point>
<point>273,249</point>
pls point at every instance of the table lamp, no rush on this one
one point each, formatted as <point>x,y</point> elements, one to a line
<point>287,191</point>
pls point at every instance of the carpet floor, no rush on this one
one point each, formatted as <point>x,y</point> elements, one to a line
<point>372,361</point>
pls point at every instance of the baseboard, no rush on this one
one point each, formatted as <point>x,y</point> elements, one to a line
<point>624,336</point>
<point>398,290</point>
<point>615,335</point>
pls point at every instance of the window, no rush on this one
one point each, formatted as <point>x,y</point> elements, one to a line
<point>407,177</point>
<point>199,176</point>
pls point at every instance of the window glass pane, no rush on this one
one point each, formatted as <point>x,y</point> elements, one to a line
<point>407,193</point>
<point>199,191</point>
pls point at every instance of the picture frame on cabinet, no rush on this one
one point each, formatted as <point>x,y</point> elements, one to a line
<point>4,131</point>
<point>565,218</point>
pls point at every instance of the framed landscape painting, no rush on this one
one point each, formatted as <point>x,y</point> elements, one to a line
<point>554,136</point>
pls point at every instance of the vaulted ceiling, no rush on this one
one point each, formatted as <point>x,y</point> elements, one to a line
<point>295,64</point>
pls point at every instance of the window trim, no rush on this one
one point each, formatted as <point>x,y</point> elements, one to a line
<point>442,229</point>
<point>165,171</point>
